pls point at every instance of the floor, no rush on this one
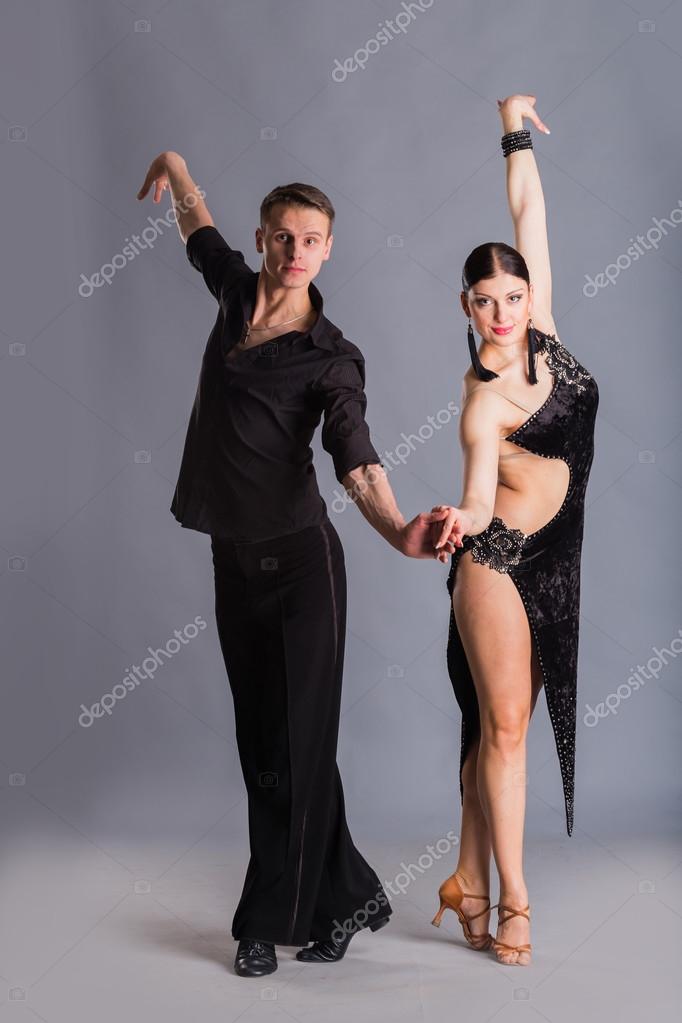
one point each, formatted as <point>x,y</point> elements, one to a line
<point>102,931</point>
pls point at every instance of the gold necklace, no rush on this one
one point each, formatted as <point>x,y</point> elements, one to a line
<point>248,328</point>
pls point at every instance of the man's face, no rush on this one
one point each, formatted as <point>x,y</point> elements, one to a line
<point>294,242</point>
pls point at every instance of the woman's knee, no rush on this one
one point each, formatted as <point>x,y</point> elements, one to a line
<point>505,727</point>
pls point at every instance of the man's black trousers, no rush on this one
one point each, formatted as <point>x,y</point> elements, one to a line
<point>281,616</point>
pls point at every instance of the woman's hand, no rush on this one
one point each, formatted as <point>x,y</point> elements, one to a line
<point>417,538</point>
<point>448,533</point>
<point>513,109</point>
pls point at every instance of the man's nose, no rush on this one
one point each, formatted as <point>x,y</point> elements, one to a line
<point>295,252</point>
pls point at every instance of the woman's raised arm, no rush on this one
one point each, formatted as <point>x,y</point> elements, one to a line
<point>527,208</point>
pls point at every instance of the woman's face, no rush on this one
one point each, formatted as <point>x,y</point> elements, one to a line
<point>499,308</point>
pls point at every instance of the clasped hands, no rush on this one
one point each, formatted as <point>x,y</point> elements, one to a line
<point>435,534</point>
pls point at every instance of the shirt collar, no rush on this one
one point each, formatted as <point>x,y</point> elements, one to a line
<point>318,333</point>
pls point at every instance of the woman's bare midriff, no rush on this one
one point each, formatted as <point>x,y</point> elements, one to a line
<point>530,488</point>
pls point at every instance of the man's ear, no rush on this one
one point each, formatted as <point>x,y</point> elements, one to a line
<point>328,247</point>
<point>259,239</point>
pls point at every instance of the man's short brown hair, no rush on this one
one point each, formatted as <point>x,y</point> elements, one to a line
<point>297,194</point>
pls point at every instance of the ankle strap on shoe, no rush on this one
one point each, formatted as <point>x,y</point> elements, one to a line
<point>511,911</point>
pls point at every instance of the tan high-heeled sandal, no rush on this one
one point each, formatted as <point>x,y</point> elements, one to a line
<point>500,946</point>
<point>451,897</point>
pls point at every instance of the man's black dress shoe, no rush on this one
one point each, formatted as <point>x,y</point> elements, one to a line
<point>330,950</point>
<point>255,958</point>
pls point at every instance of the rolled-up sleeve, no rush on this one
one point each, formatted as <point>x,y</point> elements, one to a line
<point>220,266</point>
<point>345,433</point>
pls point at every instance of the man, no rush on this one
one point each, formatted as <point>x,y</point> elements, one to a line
<point>274,365</point>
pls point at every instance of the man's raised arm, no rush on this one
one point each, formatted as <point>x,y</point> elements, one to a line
<point>169,170</point>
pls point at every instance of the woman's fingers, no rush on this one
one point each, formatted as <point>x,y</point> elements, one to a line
<point>536,120</point>
<point>450,515</point>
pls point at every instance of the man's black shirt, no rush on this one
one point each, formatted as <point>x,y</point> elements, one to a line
<point>247,467</point>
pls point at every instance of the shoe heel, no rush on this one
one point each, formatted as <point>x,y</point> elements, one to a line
<point>378,924</point>
<point>439,915</point>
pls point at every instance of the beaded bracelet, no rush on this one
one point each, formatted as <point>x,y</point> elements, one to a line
<point>515,140</point>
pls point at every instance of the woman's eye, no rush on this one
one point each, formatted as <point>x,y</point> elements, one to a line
<point>516,297</point>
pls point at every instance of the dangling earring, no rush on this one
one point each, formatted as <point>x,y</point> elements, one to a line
<point>481,372</point>
<point>532,348</point>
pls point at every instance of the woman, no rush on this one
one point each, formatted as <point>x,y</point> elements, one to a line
<point>527,434</point>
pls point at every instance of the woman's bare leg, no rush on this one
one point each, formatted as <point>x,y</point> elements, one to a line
<point>495,633</point>
<point>473,865</point>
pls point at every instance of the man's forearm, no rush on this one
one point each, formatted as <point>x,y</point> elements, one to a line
<point>371,491</point>
<point>190,209</point>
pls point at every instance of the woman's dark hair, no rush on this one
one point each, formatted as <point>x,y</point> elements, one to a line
<point>489,260</point>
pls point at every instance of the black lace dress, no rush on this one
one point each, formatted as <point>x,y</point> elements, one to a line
<point>545,564</point>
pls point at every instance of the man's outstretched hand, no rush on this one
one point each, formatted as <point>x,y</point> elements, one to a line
<point>157,175</point>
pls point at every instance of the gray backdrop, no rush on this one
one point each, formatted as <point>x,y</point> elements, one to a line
<point>97,386</point>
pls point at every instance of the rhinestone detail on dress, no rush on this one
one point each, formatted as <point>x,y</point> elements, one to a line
<point>560,362</point>
<point>498,545</point>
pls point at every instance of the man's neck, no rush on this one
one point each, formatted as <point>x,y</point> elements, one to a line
<point>275,303</point>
